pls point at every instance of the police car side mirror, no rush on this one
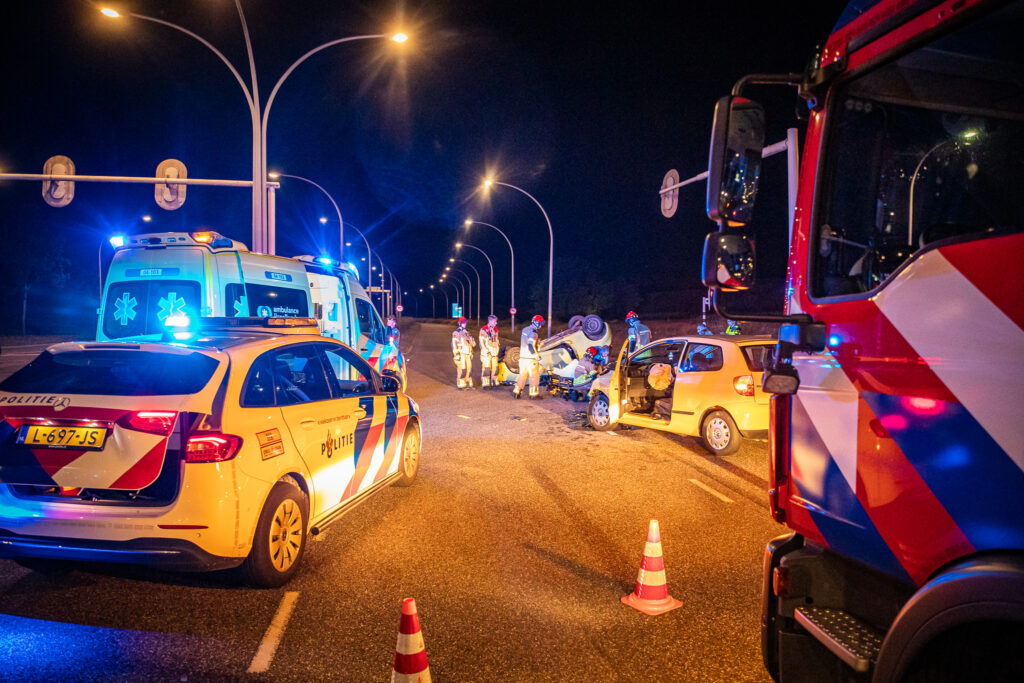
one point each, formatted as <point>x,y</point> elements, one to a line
<point>390,382</point>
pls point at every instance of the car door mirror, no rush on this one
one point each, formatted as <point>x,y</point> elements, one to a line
<point>734,162</point>
<point>390,382</point>
<point>729,262</point>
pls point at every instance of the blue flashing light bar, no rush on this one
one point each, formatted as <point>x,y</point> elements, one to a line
<point>118,241</point>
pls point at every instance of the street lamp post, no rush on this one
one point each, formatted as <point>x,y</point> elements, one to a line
<point>551,234</point>
<point>468,223</point>
<point>459,245</point>
<point>447,301</point>
<point>341,223</point>
<point>433,309</point>
<point>262,225</point>
<point>468,298</point>
<point>479,290</point>
<point>461,300</point>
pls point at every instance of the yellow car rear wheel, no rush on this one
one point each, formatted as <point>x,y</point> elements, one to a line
<point>280,538</point>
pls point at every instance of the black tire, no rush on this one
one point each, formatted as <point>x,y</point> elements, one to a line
<point>598,413</point>
<point>575,320</point>
<point>511,359</point>
<point>44,565</point>
<point>273,560</point>
<point>409,462</point>
<point>719,434</point>
<point>593,327</point>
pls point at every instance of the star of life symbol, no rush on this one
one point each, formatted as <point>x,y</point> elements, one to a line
<point>242,307</point>
<point>170,305</point>
<point>124,308</point>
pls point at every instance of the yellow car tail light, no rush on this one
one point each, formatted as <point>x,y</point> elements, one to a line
<point>744,385</point>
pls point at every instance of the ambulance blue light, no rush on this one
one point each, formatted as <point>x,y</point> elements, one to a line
<point>118,241</point>
<point>834,340</point>
<point>326,260</point>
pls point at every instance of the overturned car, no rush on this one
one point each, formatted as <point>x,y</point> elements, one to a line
<point>560,353</point>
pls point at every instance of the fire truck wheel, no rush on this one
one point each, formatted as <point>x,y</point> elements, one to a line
<point>410,462</point>
<point>280,538</point>
<point>719,433</point>
<point>598,414</point>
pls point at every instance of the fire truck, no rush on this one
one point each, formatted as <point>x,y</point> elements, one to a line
<point>897,415</point>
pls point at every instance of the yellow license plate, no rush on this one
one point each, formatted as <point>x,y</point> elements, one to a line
<point>56,436</point>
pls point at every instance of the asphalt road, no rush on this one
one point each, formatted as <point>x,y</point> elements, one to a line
<point>517,540</point>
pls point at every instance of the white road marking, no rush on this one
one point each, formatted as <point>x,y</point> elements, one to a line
<point>272,638</point>
<point>710,490</point>
<point>464,417</point>
<point>611,433</point>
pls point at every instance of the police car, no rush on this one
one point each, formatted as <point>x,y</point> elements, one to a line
<point>224,447</point>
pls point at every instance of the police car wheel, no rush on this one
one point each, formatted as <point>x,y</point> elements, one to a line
<point>280,538</point>
<point>598,413</point>
<point>719,433</point>
<point>410,462</point>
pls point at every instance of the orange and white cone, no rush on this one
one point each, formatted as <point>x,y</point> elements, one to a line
<point>410,653</point>
<point>651,593</point>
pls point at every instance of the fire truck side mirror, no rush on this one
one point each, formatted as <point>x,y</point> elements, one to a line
<point>734,161</point>
<point>729,261</point>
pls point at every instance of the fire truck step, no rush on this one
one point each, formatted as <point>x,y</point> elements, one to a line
<point>848,638</point>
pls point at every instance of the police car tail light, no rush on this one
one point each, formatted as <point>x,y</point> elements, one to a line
<point>151,421</point>
<point>212,447</point>
<point>744,385</point>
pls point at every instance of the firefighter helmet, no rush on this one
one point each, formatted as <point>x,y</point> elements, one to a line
<point>462,321</point>
<point>632,316</point>
<point>538,320</point>
<point>492,319</point>
<point>592,351</point>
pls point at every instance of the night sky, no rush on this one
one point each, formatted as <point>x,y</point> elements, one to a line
<point>584,105</point>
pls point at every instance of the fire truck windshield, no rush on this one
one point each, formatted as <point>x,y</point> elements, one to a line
<point>923,149</point>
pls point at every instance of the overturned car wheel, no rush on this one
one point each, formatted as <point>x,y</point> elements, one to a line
<point>593,327</point>
<point>511,359</point>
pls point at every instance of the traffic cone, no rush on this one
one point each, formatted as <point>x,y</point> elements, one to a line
<point>651,593</point>
<point>410,653</point>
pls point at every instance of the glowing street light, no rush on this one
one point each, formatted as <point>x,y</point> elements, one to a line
<point>262,220</point>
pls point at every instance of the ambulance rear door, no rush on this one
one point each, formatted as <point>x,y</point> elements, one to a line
<point>146,285</point>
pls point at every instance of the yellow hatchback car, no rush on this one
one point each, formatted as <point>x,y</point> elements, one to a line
<point>703,386</point>
<point>224,448</point>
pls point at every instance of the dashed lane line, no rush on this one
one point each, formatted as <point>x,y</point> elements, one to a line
<point>272,638</point>
<point>716,494</point>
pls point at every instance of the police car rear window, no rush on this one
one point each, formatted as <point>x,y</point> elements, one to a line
<point>113,373</point>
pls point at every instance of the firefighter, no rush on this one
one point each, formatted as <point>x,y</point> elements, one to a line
<point>391,333</point>
<point>529,359</point>
<point>638,333</point>
<point>462,352</point>
<point>733,327</point>
<point>489,349</point>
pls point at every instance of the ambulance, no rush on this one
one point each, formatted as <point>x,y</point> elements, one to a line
<point>156,276</point>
